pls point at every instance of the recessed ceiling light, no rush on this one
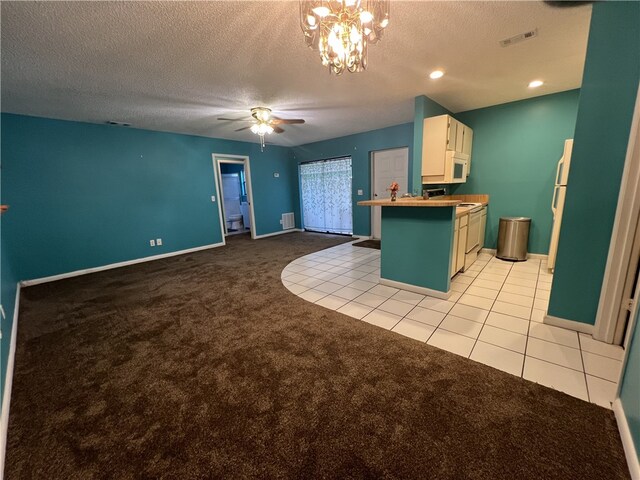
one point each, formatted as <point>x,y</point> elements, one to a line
<point>436,74</point>
<point>535,83</point>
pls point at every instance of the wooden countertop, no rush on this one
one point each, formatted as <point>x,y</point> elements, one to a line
<point>410,202</point>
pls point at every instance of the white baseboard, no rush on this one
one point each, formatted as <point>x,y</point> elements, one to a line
<point>537,256</point>
<point>85,271</point>
<point>8,383</point>
<point>630,451</point>
<point>533,256</point>
<point>289,230</point>
<point>361,237</point>
<point>568,324</point>
<point>416,289</point>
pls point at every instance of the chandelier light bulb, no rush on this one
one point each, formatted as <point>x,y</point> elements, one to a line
<point>321,11</point>
<point>366,17</point>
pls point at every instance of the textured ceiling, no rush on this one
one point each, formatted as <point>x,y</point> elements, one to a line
<point>176,66</point>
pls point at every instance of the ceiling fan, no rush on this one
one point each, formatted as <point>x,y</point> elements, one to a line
<point>263,122</point>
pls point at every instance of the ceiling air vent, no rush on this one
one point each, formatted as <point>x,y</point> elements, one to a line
<point>118,124</point>
<point>519,38</point>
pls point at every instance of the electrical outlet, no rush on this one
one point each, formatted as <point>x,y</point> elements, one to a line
<point>281,222</point>
<point>152,243</point>
<point>159,241</point>
<point>276,175</point>
<point>213,198</point>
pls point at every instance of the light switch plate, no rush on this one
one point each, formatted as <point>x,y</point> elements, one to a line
<point>152,243</point>
<point>159,241</point>
<point>213,198</point>
<point>360,192</point>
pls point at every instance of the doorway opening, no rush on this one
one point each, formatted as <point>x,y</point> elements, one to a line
<point>235,200</point>
<point>327,201</point>
<point>387,166</point>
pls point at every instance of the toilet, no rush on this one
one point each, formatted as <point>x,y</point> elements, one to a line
<point>234,222</point>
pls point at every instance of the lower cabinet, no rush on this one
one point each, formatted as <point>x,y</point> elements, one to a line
<point>454,250</point>
<point>483,227</point>
<point>459,244</point>
<point>462,245</point>
<point>460,234</point>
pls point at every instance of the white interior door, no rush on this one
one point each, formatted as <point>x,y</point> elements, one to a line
<point>387,166</point>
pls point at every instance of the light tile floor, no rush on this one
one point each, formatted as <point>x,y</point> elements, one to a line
<point>494,316</point>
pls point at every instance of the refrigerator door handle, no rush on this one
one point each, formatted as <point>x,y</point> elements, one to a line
<point>560,163</point>
<point>553,201</point>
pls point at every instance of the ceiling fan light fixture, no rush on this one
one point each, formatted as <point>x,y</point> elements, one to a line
<point>341,30</point>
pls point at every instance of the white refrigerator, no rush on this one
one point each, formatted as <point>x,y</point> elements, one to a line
<point>557,203</point>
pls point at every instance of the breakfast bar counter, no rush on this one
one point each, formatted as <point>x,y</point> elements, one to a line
<point>418,243</point>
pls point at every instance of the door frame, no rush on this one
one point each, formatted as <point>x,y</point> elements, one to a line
<point>219,158</point>
<point>372,184</point>
<point>620,248</point>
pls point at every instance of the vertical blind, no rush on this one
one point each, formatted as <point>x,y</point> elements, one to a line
<point>326,195</point>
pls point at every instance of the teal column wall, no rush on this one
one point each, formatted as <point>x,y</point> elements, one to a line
<point>516,148</point>
<point>359,147</point>
<point>630,386</point>
<point>417,246</point>
<point>85,195</point>
<point>424,107</point>
<point>605,110</point>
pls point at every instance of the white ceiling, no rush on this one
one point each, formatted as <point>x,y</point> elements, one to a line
<point>178,66</point>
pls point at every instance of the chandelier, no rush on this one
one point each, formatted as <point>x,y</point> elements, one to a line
<point>341,30</point>
<point>262,126</point>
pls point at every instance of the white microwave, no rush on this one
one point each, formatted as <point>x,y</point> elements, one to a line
<point>455,167</point>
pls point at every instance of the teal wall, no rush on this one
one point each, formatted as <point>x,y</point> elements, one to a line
<point>85,195</point>
<point>359,147</point>
<point>607,97</point>
<point>630,386</point>
<point>424,107</point>
<point>417,246</point>
<point>516,148</point>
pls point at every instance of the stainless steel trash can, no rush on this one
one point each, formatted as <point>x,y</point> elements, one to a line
<point>513,238</point>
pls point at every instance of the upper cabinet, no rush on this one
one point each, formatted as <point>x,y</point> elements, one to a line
<point>446,150</point>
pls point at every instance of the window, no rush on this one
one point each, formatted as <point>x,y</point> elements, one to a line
<point>326,195</point>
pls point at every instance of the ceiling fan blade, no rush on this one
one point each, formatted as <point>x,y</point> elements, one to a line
<point>234,119</point>
<point>243,128</point>
<point>285,121</point>
<point>277,129</point>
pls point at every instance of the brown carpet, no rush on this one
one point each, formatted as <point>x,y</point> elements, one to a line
<point>205,366</point>
<point>368,244</point>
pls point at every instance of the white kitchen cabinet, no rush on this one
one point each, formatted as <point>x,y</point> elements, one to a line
<point>483,226</point>
<point>440,135</point>
<point>459,244</point>
<point>454,250</point>
<point>462,243</point>
<point>467,141</point>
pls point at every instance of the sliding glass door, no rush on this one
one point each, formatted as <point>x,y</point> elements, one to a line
<point>326,195</point>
